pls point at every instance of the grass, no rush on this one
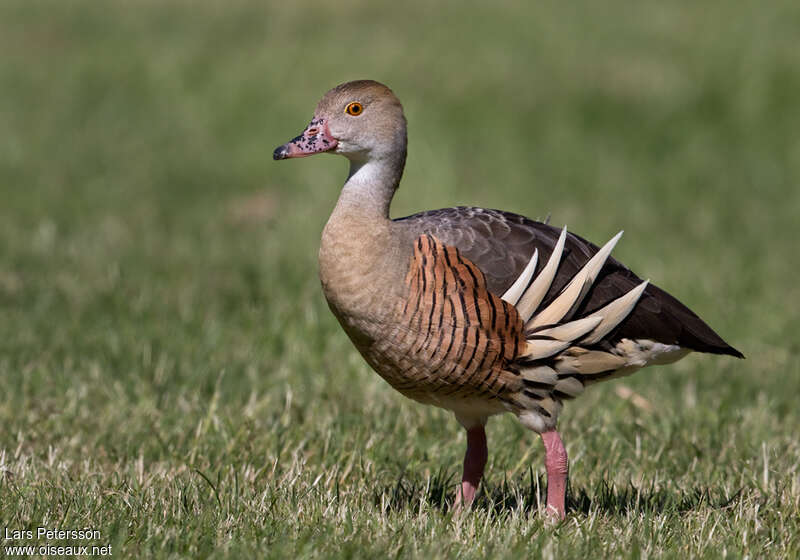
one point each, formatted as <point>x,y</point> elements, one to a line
<point>171,375</point>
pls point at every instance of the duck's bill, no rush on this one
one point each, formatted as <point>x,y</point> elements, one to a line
<point>315,139</point>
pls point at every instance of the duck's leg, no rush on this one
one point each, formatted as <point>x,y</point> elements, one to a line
<point>474,463</point>
<point>557,466</point>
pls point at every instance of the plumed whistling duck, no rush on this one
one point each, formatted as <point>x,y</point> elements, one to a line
<point>473,310</point>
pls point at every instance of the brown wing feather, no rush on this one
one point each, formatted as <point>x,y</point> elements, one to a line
<point>501,243</point>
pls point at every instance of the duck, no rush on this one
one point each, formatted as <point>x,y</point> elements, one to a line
<point>474,310</point>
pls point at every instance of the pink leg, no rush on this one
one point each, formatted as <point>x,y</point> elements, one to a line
<point>557,471</point>
<point>474,462</point>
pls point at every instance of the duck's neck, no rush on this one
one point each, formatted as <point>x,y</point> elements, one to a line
<point>360,264</point>
<point>370,187</point>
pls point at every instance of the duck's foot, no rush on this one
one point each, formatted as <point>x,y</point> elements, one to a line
<point>474,463</point>
<point>557,466</point>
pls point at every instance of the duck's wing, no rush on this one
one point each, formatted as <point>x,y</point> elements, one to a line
<point>501,245</point>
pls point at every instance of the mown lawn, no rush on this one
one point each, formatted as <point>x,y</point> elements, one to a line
<point>171,375</point>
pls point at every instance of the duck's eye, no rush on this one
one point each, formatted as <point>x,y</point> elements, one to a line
<point>354,108</point>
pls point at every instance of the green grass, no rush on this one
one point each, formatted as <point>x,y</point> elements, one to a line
<point>171,375</point>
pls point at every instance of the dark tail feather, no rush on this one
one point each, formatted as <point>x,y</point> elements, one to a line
<point>695,334</point>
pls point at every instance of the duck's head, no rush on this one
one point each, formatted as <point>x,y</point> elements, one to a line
<point>362,120</point>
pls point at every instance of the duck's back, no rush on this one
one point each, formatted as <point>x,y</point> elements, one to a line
<point>501,244</point>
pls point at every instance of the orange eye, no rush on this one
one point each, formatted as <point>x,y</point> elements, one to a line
<point>354,108</point>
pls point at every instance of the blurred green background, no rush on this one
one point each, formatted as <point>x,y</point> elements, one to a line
<point>170,372</point>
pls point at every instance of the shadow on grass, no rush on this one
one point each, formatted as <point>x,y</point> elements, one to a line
<point>439,491</point>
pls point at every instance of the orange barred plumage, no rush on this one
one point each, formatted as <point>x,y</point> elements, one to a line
<point>456,338</point>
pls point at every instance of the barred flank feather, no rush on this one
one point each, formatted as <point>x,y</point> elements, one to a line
<point>459,342</point>
<point>458,337</point>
